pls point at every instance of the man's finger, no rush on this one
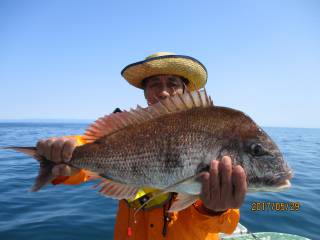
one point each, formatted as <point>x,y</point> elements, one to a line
<point>62,170</point>
<point>205,186</point>
<point>240,186</point>
<point>56,150</point>
<point>48,147</point>
<point>225,168</point>
<point>40,147</point>
<point>68,148</point>
<point>214,181</point>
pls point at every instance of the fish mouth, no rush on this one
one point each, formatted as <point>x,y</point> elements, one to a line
<point>284,182</point>
<point>284,185</point>
<point>276,184</point>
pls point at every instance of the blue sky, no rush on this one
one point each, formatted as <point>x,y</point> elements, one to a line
<point>62,59</point>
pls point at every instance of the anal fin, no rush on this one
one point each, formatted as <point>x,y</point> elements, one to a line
<point>117,190</point>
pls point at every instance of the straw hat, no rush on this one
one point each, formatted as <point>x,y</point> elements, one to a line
<point>167,63</point>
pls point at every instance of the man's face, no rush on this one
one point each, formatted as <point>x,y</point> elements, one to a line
<point>162,86</point>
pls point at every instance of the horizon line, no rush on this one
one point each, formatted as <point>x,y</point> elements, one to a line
<point>77,120</point>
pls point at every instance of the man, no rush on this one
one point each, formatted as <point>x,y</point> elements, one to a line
<point>163,75</point>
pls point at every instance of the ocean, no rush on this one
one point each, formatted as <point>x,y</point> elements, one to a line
<point>79,212</point>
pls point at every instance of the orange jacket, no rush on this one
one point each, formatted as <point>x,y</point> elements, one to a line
<point>186,224</point>
<point>190,223</point>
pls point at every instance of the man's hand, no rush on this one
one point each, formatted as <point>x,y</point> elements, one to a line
<point>224,186</point>
<point>58,150</point>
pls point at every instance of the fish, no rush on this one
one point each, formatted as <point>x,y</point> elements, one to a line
<point>168,145</point>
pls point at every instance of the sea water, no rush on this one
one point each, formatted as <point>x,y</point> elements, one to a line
<point>79,212</point>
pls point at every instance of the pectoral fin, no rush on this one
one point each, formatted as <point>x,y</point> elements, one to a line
<point>183,201</point>
<point>175,188</point>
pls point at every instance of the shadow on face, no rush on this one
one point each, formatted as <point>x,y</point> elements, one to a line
<point>162,86</point>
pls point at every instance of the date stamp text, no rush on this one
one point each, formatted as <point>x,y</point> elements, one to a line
<point>275,206</point>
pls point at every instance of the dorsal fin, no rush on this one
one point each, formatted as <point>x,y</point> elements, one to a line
<point>116,121</point>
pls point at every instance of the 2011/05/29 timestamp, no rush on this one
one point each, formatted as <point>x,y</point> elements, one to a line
<point>275,206</point>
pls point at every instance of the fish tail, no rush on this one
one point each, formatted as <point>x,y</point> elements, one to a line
<point>45,175</point>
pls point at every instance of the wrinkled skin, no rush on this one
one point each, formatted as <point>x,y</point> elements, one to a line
<point>223,187</point>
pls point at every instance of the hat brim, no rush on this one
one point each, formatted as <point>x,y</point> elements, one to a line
<point>178,65</point>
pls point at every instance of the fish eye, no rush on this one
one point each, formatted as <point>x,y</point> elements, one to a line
<point>256,150</point>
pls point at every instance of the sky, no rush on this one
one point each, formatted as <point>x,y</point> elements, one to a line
<point>62,59</point>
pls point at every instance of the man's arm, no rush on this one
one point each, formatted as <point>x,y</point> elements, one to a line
<point>223,192</point>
